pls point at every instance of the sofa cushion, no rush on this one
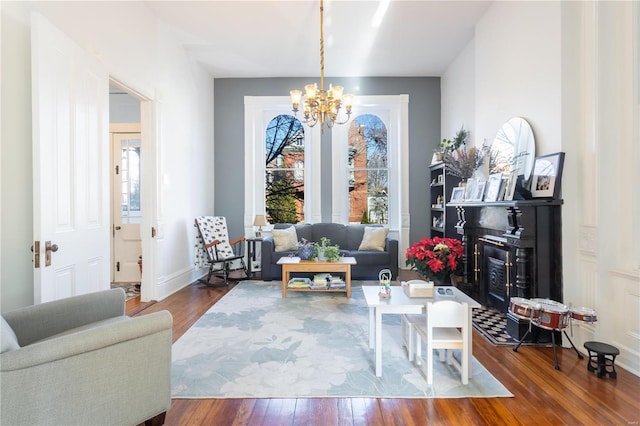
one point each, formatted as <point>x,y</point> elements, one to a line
<point>373,258</point>
<point>9,341</point>
<point>285,239</point>
<point>374,239</point>
<point>336,232</point>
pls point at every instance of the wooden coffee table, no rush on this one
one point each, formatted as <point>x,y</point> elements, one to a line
<point>294,264</point>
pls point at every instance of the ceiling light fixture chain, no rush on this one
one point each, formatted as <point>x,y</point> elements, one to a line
<point>320,105</point>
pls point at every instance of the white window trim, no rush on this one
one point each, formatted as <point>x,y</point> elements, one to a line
<point>394,112</point>
<point>258,112</point>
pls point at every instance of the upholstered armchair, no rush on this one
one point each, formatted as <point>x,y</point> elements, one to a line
<point>82,361</point>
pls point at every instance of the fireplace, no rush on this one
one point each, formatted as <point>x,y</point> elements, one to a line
<point>512,249</point>
<point>496,269</point>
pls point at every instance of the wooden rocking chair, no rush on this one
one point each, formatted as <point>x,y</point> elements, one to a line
<point>223,256</point>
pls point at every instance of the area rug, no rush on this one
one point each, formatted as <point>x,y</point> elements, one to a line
<point>131,290</point>
<point>255,344</point>
<point>492,324</point>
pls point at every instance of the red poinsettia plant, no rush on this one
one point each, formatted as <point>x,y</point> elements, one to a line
<point>436,258</point>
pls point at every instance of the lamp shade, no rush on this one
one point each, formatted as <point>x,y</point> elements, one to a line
<point>260,220</point>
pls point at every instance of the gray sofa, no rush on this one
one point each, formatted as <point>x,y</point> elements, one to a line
<point>348,237</point>
<point>82,361</point>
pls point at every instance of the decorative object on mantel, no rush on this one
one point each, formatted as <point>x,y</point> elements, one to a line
<point>449,145</point>
<point>436,259</point>
<point>461,161</point>
<point>322,105</point>
<point>547,175</point>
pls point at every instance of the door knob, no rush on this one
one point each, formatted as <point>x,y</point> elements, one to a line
<point>48,248</point>
<point>118,228</point>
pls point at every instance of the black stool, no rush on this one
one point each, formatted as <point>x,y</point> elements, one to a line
<point>602,356</point>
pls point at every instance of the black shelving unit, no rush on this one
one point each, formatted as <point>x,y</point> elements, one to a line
<point>443,217</point>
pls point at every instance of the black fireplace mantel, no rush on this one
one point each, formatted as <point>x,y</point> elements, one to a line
<point>530,234</point>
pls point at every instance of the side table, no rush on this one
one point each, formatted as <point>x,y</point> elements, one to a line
<point>602,356</point>
<point>251,252</point>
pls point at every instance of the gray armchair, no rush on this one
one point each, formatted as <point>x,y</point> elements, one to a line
<point>81,360</point>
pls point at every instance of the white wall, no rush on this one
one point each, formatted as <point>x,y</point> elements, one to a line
<point>458,96</point>
<point>571,69</point>
<point>142,54</point>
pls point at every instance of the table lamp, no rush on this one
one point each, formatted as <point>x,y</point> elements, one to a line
<point>260,221</point>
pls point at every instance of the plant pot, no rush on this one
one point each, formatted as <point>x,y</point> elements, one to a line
<point>305,251</point>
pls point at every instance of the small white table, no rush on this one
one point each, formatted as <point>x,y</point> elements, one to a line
<point>400,303</point>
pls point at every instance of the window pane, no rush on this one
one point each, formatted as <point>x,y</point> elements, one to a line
<point>284,179</point>
<point>368,170</point>
<point>285,197</point>
<point>130,181</point>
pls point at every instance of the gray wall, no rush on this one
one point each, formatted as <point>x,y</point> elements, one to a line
<point>424,135</point>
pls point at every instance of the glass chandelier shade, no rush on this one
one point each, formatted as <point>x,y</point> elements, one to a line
<point>320,105</point>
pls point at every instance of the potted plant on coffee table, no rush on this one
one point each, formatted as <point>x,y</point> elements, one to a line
<point>324,251</point>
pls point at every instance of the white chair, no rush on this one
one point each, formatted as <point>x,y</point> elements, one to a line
<point>444,328</point>
<point>408,323</point>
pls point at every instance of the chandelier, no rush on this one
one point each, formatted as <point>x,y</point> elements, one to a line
<point>322,105</point>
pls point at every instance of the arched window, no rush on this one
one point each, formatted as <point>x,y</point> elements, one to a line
<point>284,172</point>
<point>368,170</point>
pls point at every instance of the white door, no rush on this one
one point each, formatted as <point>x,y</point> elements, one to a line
<point>70,165</point>
<point>126,207</point>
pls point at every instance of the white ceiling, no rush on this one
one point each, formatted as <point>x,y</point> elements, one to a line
<point>267,38</point>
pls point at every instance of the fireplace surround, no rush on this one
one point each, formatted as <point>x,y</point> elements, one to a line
<point>512,249</point>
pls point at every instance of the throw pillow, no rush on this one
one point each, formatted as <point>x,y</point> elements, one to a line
<point>373,238</point>
<point>285,239</point>
<point>9,341</point>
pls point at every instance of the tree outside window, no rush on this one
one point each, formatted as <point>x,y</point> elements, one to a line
<point>368,174</point>
<point>284,178</point>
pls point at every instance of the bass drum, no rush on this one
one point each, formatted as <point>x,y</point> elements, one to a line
<point>553,315</point>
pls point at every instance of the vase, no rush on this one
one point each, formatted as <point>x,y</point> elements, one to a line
<point>305,251</point>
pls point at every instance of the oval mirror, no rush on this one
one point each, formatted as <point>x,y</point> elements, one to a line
<point>513,148</point>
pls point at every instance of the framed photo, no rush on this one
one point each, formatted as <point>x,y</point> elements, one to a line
<point>547,175</point>
<point>479,192</point>
<point>511,185</point>
<point>457,195</point>
<point>493,187</point>
<point>470,190</point>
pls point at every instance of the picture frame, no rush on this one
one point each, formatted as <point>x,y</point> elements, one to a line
<point>493,187</point>
<point>457,195</point>
<point>547,176</point>
<point>470,190</point>
<point>479,193</point>
<point>511,185</point>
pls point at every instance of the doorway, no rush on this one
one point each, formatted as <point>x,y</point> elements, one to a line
<point>125,184</point>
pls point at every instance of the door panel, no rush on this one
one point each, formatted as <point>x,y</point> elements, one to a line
<point>70,170</point>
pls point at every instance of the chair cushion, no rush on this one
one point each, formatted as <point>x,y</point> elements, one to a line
<point>9,341</point>
<point>374,238</point>
<point>285,239</point>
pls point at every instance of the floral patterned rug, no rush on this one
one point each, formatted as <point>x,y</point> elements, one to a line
<point>255,344</point>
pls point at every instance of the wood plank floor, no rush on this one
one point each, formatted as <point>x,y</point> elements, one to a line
<point>542,395</point>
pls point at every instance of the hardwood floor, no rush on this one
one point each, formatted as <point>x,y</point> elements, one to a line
<point>542,395</point>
